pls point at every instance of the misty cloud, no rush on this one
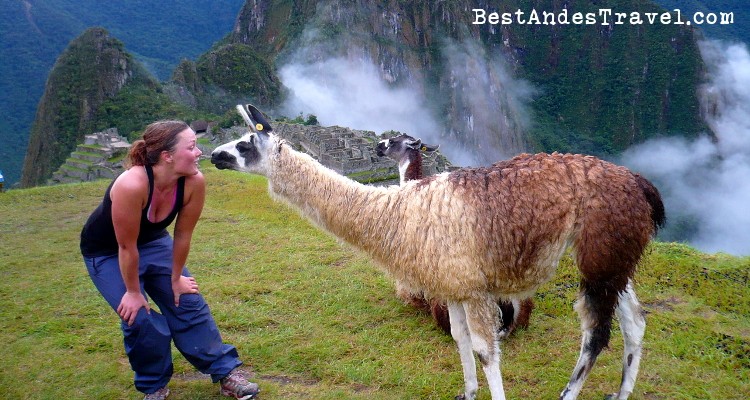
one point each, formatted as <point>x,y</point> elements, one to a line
<point>705,183</point>
<point>345,86</point>
<point>350,92</point>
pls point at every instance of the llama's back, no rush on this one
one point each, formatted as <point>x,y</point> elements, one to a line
<point>519,215</point>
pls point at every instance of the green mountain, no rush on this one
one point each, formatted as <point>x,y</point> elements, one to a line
<point>33,33</point>
<point>95,84</point>
<point>224,76</point>
<point>591,88</point>
<point>92,69</point>
<point>596,88</point>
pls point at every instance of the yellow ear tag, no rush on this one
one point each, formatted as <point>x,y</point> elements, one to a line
<point>424,148</point>
<point>259,127</point>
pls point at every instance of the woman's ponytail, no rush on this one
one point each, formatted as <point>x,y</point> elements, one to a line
<point>137,154</point>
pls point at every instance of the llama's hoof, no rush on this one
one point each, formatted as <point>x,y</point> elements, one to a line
<point>612,396</point>
<point>460,397</point>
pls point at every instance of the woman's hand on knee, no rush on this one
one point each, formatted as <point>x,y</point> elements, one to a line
<point>183,285</point>
<point>130,304</point>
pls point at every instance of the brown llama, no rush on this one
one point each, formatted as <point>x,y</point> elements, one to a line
<point>477,235</point>
<point>407,151</point>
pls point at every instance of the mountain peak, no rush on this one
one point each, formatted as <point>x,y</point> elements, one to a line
<point>93,68</point>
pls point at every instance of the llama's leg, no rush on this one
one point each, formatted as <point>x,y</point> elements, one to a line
<point>482,319</point>
<point>460,333</point>
<point>508,315</point>
<point>439,311</point>
<point>595,307</point>
<point>633,326</point>
<point>523,313</point>
<point>514,314</point>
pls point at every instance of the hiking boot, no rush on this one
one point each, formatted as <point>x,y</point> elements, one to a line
<point>236,385</point>
<point>160,394</point>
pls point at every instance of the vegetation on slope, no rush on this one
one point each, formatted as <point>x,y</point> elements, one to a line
<point>135,106</point>
<point>95,85</point>
<point>92,69</point>
<point>315,320</point>
<point>736,32</point>
<point>599,88</point>
<point>604,88</point>
<point>34,33</point>
<point>235,73</point>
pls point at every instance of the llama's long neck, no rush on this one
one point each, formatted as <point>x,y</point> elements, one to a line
<point>345,208</point>
<point>410,168</point>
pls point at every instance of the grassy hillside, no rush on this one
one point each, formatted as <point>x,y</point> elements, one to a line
<point>315,320</point>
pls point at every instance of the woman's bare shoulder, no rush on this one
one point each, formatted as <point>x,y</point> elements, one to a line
<point>197,180</point>
<point>132,182</point>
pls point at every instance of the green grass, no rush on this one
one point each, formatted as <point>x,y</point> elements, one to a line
<point>368,177</point>
<point>91,146</point>
<point>314,319</point>
<point>79,160</point>
<point>117,157</point>
<point>86,154</point>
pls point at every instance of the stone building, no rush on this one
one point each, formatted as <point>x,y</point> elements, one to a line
<point>351,152</point>
<point>100,156</point>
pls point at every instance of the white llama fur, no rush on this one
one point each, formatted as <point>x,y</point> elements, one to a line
<point>474,236</point>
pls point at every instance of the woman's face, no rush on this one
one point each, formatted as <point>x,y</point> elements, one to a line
<point>186,153</point>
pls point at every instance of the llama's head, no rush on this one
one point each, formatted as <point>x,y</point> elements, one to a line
<point>251,152</point>
<point>399,147</point>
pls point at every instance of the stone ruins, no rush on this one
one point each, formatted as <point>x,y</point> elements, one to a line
<point>100,156</point>
<point>347,151</point>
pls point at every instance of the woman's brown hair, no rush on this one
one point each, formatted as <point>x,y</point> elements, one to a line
<point>159,136</point>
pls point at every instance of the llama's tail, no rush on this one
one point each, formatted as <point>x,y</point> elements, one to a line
<point>658,215</point>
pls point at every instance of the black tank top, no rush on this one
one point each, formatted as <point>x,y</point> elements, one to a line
<point>98,234</point>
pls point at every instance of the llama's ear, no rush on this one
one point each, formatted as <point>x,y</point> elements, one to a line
<point>428,148</point>
<point>254,118</point>
<point>241,110</point>
<point>414,144</point>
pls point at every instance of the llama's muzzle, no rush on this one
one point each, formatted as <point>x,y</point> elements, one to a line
<point>223,160</point>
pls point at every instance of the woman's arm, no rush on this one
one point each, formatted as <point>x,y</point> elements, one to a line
<point>127,203</point>
<point>195,196</point>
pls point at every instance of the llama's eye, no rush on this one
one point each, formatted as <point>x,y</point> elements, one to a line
<point>244,147</point>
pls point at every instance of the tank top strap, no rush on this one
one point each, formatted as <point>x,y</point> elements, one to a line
<point>150,174</point>
<point>180,193</point>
